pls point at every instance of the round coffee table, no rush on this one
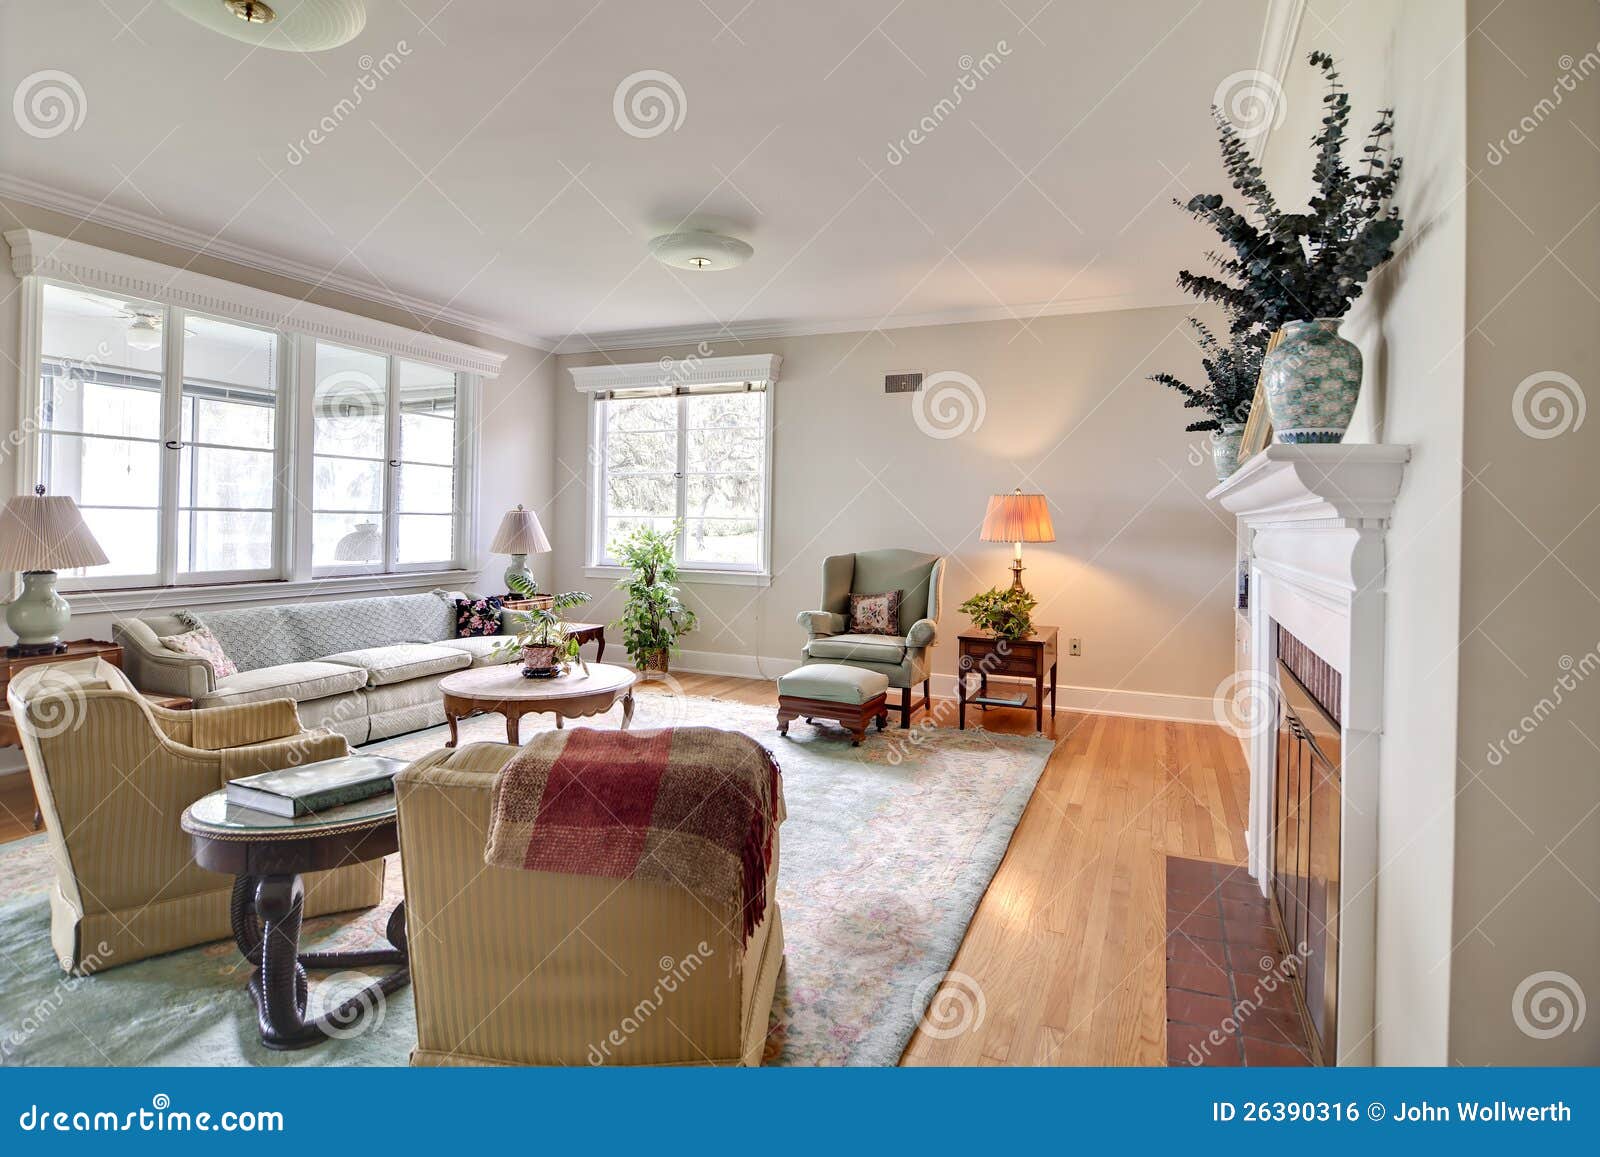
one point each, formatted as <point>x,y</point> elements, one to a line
<point>507,691</point>
<point>266,855</point>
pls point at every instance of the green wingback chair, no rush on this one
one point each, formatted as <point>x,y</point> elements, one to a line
<point>904,657</point>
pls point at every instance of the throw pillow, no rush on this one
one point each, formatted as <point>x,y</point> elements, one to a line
<point>477,617</point>
<point>202,644</point>
<point>875,614</point>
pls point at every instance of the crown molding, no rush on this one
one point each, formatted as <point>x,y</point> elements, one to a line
<point>37,254</point>
<point>1276,52</point>
<point>194,241</point>
<point>768,330</point>
<point>691,371</point>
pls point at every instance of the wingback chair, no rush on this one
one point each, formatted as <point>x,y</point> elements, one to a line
<point>903,657</point>
<point>113,774</point>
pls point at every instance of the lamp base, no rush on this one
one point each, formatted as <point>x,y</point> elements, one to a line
<point>18,651</point>
<point>38,615</point>
<point>518,568</point>
<point>1016,576</point>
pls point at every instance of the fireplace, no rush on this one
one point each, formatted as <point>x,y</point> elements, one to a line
<point>1307,809</point>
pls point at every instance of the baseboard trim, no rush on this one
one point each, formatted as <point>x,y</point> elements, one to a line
<point>1088,700</point>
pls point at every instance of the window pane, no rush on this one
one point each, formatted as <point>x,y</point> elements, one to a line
<point>725,449</point>
<point>229,354</point>
<point>229,421</point>
<point>224,540</point>
<point>341,539</point>
<point>651,452</point>
<point>426,490</point>
<point>620,528</point>
<point>347,484</point>
<point>101,331</point>
<point>127,536</point>
<point>724,495</point>
<point>713,410</point>
<point>350,402</point>
<point>642,414</point>
<point>642,494</point>
<point>102,471</point>
<point>125,405</point>
<point>424,538</point>
<point>733,541</point>
<point>427,414</point>
<point>226,478</point>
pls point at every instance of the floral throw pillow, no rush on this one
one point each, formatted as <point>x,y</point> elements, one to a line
<point>202,644</point>
<point>875,614</point>
<point>477,617</point>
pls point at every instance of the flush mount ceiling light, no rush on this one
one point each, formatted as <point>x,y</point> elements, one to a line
<point>144,330</point>
<point>699,249</point>
<point>286,25</point>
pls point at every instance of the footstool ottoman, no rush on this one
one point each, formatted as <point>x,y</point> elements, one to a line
<point>849,696</point>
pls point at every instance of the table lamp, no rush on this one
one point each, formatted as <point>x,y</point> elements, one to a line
<point>39,535</point>
<point>519,536</point>
<point>1017,518</point>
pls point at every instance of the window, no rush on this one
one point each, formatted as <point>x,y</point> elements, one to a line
<point>385,461</point>
<point>693,455</point>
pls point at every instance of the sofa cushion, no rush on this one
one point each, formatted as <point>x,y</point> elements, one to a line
<point>267,636</point>
<point>477,617</point>
<point>832,683</point>
<point>297,681</point>
<point>866,648</point>
<point>402,661</point>
<point>482,650</point>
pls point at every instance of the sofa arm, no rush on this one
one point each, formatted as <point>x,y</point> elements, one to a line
<point>242,724</point>
<point>922,634</point>
<point>822,623</point>
<point>277,754</point>
<point>153,667</point>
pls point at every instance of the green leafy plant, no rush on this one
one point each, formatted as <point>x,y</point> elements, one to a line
<point>654,617</point>
<point>1008,613</point>
<point>1231,372</point>
<point>542,626</point>
<point>1284,267</point>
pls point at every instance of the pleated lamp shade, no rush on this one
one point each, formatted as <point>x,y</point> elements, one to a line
<point>519,533</point>
<point>46,532</point>
<point>1018,517</point>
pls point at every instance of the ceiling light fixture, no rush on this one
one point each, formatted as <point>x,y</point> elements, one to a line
<point>144,331</point>
<point>699,249</point>
<point>286,25</point>
<point>251,11</point>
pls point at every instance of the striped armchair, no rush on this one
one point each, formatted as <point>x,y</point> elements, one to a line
<point>542,968</point>
<point>113,774</point>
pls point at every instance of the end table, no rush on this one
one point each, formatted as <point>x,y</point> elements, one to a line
<point>982,654</point>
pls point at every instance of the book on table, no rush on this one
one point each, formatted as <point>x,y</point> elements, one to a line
<point>316,787</point>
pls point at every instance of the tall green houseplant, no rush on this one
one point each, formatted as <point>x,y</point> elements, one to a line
<point>654,617</point>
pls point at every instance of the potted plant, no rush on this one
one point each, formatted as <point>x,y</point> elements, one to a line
<point>1232,371</point>
<point>542,639</point>
<point>653,618</point>
<point>1300,272</point>
<point>1007,613</point>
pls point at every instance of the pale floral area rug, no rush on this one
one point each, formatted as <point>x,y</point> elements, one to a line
<point>886,852</point>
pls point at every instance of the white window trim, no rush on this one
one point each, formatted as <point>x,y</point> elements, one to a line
<point>677,373</point>
<point>37,257</point>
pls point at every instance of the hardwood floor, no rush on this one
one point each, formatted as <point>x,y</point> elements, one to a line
<point>1067,946</point>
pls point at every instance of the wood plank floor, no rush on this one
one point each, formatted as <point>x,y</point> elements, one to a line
<point>1067,947</point>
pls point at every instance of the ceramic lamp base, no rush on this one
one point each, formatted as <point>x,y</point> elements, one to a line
<point>518,569</point>
<point>39,615</point>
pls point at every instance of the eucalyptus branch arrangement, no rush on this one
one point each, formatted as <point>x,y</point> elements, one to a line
<point>1231,370</point>
<point>1281,267</point>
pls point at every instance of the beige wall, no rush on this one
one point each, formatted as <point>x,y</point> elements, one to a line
<point>1527,864</point>
<point>1142,569</point>
<point>516,410</point>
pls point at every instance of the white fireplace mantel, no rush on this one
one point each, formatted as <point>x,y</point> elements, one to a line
<point>1314,521</point>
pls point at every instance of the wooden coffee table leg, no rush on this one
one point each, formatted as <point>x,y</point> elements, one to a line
<point>513,728</point>
<point>450,718</point>
<point>279,983</point>
<point>627,709</point>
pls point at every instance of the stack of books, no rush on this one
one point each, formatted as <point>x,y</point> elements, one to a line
<point>316,787</point>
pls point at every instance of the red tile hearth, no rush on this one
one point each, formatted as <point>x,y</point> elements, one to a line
<point>1228,1000</point>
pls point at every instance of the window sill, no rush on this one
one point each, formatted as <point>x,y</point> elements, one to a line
<point>225,594</point>
<point>727,578</point>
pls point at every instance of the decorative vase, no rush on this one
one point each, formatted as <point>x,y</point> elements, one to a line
<point>1313,378</point>
<point>1225,450</point>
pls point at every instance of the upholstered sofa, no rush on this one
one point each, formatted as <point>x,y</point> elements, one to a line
<point>113,774</point>
<point>364,668</point>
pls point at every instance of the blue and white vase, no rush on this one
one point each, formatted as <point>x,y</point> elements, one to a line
<point>1225,449</point>
<point>1313,379</point>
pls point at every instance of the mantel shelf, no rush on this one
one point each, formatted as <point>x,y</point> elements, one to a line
<point>1343,485</point>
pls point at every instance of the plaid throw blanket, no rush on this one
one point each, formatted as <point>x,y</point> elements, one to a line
<point>691,806</point>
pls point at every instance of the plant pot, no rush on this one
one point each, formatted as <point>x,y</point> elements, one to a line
<point>539,657</point>
<point>653,663</point>
<point>1313,379</point>
<point>1225,450</point>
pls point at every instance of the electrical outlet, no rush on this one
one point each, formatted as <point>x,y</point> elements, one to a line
<point>1075,648</point>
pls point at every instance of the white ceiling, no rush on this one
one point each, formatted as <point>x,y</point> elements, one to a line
<point>487,173</point>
